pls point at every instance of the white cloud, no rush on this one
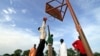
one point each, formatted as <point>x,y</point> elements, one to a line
<point>11,2</point>
<point>96,14</point>
<point>6,18</point>
<point>86,4</point>
<point>92,31</point>
<point>13,38</point>
<point>24,11</point>
<point>5,11</point>
<point>9,11</point>
<point>13,25</point>
<point>92,14</point>
<point>28,30</point>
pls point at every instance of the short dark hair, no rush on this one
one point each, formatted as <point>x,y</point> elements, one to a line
<point>79,38</point>
<point>34,45</point>
<point>51,35</point>
<point>61,40</point>
<point>38,28</point>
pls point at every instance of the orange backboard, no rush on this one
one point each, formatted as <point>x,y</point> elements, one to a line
<point>53,12</point>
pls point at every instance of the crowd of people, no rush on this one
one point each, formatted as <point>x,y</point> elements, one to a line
<point>78,46</point>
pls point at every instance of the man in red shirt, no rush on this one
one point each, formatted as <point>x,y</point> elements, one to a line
<point>78,45</point>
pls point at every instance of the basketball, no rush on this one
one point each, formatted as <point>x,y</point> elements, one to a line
<point>44,18</point>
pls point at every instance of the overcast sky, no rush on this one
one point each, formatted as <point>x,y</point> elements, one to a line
<point>19,20</point>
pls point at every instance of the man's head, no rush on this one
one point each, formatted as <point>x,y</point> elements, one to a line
<point>79,38</point>
<point>51,35</point>
<point>61,40</point>
<point>52,48</point>
<point>34,45</point>
<point>39,28</point>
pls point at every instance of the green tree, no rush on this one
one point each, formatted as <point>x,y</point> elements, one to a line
<point>96,54</point>
<point>71,52</point>
<point>17,52</point>
<point>26,53</point>
<point>6,54</point>
<point>12,55</point>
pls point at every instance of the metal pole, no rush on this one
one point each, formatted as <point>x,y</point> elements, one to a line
<point>79,29</point>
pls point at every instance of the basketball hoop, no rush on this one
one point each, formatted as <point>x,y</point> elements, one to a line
<point>54,11</point>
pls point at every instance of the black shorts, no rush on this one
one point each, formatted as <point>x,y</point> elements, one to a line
<point>40,48</point>
<point>83,54</point>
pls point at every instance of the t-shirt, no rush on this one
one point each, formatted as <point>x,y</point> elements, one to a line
<point>32,52</point>
<point>63,50</point>
<point>42,31</point>
<point>78,45</point>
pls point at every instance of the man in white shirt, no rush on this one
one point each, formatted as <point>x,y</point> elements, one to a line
<point>42,38</point>
<point>63,49</point>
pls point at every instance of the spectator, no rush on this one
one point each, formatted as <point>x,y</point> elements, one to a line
<point>78,45</point>
<point>63,49</point>
<point>33,51</point>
